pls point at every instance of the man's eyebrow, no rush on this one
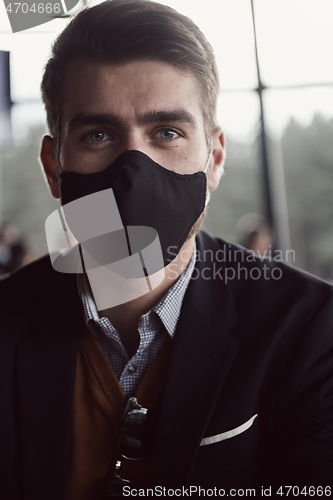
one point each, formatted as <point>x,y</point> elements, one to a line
<point>82,119</point>
<point>177,115</point>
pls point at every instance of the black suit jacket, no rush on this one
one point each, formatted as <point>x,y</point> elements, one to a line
<point>252,366</point>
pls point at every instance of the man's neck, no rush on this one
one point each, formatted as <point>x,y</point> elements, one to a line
<point>125,317</point>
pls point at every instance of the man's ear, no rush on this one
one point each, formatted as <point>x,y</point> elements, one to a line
<point>218,158</point>
<point>49,162</point>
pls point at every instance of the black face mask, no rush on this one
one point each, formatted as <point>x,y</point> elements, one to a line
<point>146,194</point>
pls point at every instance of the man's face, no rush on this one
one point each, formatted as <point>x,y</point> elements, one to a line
<point>143,105</point>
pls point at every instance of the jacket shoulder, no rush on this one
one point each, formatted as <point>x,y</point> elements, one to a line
<point>34,282</point>
<point>264,278</point>
<point>26,277</point>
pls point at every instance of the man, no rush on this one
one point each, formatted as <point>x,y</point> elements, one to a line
<point>230,357</point>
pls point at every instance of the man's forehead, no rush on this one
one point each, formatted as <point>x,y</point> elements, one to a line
<point>152,90</point>
<point>152,69</point>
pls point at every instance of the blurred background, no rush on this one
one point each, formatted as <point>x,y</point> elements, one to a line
<point>276,108</point>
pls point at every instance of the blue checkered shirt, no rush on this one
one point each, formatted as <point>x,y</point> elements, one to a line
<point>154,327</point>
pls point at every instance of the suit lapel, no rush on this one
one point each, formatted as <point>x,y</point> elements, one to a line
<point>202,358</point>
<point>46,376</point>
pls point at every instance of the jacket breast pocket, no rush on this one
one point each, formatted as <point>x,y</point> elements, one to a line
<point>232,451</point>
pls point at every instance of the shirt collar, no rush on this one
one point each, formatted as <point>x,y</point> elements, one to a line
<point>168,309</point>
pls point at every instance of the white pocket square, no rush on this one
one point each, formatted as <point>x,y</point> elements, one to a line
<point>228,434</point>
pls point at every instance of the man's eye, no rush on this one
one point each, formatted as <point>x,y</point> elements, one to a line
<point>98,136</point>
<point>168,134</point>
